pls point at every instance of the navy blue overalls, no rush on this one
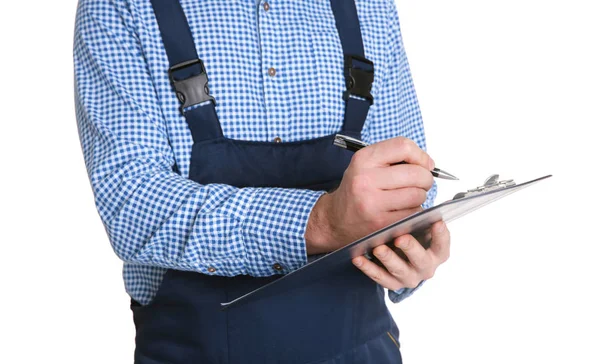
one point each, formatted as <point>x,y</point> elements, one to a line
<point>341,318</point>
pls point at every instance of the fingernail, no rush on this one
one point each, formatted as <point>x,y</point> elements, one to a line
<point>431,164</point>
<point>380,253</point>
<point>357,262</point>
<point>403,242</point>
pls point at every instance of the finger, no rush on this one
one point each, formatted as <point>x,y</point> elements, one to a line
<point>401,214</point>
<point>403,175</point>
<point>440,241</point>
<point>377,273</point>
<point>399,149</point>
<point>401,199</point>
<point>386,218</point>
<point>418,257</point>
<point>397,267</point>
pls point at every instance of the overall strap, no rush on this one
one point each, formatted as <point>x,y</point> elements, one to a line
<point>186,72</point>
<point>358,71</point>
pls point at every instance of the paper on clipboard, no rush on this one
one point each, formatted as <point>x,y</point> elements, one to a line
<point>447,211</point>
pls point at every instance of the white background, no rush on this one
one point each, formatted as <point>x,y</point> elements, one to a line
<point>509,87</point>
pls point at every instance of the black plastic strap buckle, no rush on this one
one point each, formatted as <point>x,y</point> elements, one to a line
<point>194,89</point>
<point>358,81</point>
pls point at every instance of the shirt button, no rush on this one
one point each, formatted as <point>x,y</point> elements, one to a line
<point>277,267</point>
<point>266,6</point>
<point>277,140</point>
<point>272,72</point>
<point>212,269</point>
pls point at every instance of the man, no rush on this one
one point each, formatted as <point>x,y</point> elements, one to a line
<point>207,131</point>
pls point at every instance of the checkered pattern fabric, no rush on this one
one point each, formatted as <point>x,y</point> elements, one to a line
<point>133,134</point>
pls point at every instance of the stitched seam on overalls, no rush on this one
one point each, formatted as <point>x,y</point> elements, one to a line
<point>394,340</point>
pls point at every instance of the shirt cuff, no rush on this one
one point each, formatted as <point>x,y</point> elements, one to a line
<point>274,229</point>
<point>403,293</point>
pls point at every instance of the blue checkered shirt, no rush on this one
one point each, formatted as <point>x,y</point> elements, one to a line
<point>132,132</point>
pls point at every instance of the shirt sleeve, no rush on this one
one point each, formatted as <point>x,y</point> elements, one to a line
<point>396,110</point>
<point>153,215</point>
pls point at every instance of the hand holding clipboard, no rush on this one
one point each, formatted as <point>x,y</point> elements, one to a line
<point>409,259</point>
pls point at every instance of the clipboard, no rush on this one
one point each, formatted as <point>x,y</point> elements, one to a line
<point>462,204</point>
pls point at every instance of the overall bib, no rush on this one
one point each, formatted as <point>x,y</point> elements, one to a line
<point>341,318</point>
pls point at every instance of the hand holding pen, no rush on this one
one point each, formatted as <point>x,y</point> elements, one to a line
<point>355,145</point>
<point>376,191</point>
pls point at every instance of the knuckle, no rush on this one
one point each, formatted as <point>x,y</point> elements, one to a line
<point>364,208</point>
<point>364,267</point>
<point>413,282</point>
<point>398,272</point>
<point>414,196</point>
<point>399,141</point>
<point>406,147</point>
<point>376,223</point>
<point>420,196</point>
<point>428,178</point>
<point>427,161</point>
<point>406,244</point>
<point>407,142</point>
<point>376,275</point>
<point>444,258</point>
<point>361,156</point>
<point>428,273</point>
<point>396,285</point>
<point>360,184</point>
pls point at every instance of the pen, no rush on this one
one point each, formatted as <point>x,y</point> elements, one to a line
<point>354,145</point>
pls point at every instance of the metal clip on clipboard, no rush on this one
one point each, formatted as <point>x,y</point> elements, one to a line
<point>491,183</point>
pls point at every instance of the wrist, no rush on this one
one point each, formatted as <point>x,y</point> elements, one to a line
<point>318,230</point>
